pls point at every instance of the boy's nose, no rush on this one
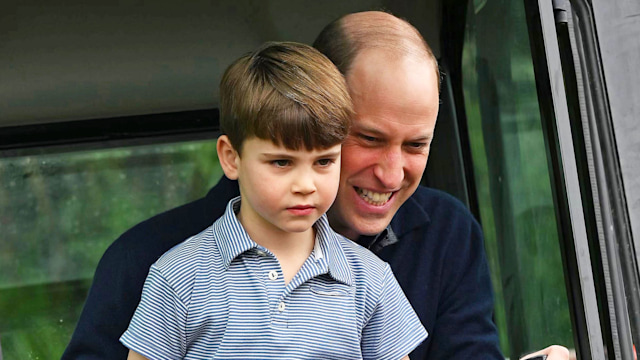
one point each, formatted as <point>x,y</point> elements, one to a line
<point>303,184</point>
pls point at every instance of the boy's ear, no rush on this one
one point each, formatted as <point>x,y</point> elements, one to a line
<point>228,157</point>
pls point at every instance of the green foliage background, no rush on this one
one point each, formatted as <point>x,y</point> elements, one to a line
<point>60,211</point>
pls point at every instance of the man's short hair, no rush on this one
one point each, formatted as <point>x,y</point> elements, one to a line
<point>343,39</point>
<point>288,93</point>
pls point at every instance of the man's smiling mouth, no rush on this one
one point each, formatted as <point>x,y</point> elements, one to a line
<point>372,197</point>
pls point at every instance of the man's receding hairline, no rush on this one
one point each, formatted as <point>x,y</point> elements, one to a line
<point>384,31</point>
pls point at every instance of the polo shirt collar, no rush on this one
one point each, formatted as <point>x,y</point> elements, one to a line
<point>327,248</point>
<point>235,239</point>
<point>332,251</point>
<point>410,215</point>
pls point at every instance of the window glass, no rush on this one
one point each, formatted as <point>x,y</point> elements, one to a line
<point>512,179</point>
<point>60,211</point>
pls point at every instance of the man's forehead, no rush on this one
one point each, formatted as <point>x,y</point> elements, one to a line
<point>375,73</point>
<point>382,57</point>
<point>415,132</point>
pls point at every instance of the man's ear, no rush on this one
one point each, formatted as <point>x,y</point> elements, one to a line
<point>228,156</point>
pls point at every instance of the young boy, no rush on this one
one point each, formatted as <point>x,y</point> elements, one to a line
<point>270,279</point>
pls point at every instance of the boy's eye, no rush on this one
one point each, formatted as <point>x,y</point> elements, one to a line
<point>325,162</point>
<point>280,163</point>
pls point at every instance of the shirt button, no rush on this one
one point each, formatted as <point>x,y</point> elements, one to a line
<point>281,306</point>
<point>273,275</point>
<point>261,253</point>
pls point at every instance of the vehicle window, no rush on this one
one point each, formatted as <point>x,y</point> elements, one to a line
<point>58,214</point>
<point>512,178</point>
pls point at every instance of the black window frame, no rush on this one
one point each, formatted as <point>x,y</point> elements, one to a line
<point>110,132</point>
<point>597,298</point>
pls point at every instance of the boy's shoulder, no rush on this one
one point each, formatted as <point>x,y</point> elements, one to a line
<point>200,250</point>
<point>189,254</point>
<point>358,252</point>
<point>364,264</point>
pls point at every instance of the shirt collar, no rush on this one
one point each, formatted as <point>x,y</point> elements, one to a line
<point>332,252</point>
<point>327,248</point>
<point>410,216</point>
<point>235,239</point>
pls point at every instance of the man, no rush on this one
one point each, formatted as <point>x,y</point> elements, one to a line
<point>431,241</point>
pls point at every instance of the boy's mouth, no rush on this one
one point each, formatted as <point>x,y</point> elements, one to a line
<point>301,209</point>
<point>374,198</point>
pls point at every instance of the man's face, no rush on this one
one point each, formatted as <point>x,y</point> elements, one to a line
<point>383,158</point>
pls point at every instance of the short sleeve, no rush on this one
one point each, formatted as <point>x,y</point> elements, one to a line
<point>157,329</point>
<point>394,329</point>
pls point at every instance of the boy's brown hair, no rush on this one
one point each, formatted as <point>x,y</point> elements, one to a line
<point>288,93</point>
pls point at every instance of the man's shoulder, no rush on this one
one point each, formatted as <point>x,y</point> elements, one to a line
<point>432,200</point>
<point>435,206</point>
<point>435,219</point>
<point>161,232</point>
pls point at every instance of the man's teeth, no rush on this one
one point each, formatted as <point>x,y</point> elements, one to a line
<point>374,198</point>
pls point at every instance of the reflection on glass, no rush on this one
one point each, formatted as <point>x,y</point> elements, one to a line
<point>59,212</point>
<point>512,179</point>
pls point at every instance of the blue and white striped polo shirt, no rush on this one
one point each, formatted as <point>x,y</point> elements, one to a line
<point>220,295</point>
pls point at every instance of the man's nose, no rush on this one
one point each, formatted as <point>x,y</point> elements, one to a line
<point>390,169</point>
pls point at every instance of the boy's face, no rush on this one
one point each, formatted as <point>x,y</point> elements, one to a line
<point>285,191</point>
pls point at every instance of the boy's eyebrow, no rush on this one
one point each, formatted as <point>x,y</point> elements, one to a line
<point>277,154</point>
<point>335,153</point>
<point>287,155</point>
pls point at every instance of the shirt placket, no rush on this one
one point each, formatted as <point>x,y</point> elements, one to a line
<point>280,295</point>
<point>271,277</point>
<point>311,268</point>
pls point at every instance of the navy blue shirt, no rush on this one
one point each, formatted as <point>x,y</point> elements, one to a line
<point>434,248</point>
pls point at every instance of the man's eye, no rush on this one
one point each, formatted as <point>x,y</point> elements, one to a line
<point>417,145</point>
<point>280,163</point>
<point>368,138</point>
